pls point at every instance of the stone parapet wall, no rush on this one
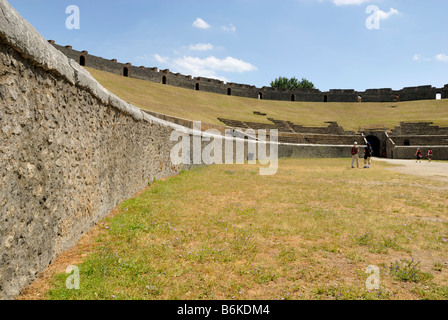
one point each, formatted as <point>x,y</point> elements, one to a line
<point>67,160</point>
<point>400,152</point>
<point>421,140</point>
<point>314,151</point>
<point>70,151</point>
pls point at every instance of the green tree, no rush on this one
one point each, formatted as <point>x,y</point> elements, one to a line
<point>292,83</point>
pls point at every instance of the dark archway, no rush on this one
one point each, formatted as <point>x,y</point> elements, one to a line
<point>197,87</point>
<point>260,96</point>
<point>293,97</point>
<point>229,91</point>
<point>325,98</point>
<point>376,145</point>
<point>125,72</point>
<point>82,61</point>
<point>164,80</point>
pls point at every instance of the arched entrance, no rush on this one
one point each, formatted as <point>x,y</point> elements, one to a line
<point>325,98</point>
<point>82,61</point>
<point>125,72</point>
<point>376,145</point>
<point>164,80</point>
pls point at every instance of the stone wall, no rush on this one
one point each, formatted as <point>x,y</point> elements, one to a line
<point>418,141</point>
<point>403,141</point>
<point>418,128</point>
<point>400,152</point>
<point>314,151</point>
<point>250,91</point>
<point>67,161</point>
<point>69,151</point>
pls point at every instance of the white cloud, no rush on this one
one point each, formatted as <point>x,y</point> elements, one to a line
<point>442,57</point>
<point>228,64</point>
<point>201,47</point>
<point>386,15</point>
<point>229,28</point>
<point>201,24</point>
<point>207,67</point>
<point>381,14</point>
<point>161,59</point>
<point>419,58</point>
<point>349,2</point>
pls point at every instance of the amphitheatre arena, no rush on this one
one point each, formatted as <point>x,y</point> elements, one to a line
<point>88,180</point>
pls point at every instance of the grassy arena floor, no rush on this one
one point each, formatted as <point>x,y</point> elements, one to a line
<point>207,107</point>
<point>309,232</point>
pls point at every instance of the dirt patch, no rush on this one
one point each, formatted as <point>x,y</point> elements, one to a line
<point>434,170</point>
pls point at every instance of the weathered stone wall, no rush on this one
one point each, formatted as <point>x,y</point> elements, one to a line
<point>420,140</point>
<point>420,128</point>
<point>67,160</point>
<point>69,152</point>
<point>314,151</point>
<point>249,91</point>
<point>400,152</point>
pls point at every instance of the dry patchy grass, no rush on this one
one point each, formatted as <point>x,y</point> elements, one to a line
<point>309,232</point>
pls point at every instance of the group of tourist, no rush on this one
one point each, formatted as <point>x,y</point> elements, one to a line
<point>368,153</point>
<point>419,155</point>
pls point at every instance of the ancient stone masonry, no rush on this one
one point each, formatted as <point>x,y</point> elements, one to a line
<point>67,160</point>
<point>248,91</point>
<point>289,132</point>
<point>406,138</point>
<point>69,152</point>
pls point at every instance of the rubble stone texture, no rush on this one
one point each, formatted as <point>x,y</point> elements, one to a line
<point>69,152</point>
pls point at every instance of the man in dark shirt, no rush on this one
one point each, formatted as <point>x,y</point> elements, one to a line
<point>368,155</point>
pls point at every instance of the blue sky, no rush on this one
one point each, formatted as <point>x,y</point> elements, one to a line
<point>254,41</point>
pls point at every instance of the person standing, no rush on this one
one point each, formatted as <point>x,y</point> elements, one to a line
<point>355,155</point>
<point>429,154</point>
<point>418,154</point>
<point>368,155</point>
